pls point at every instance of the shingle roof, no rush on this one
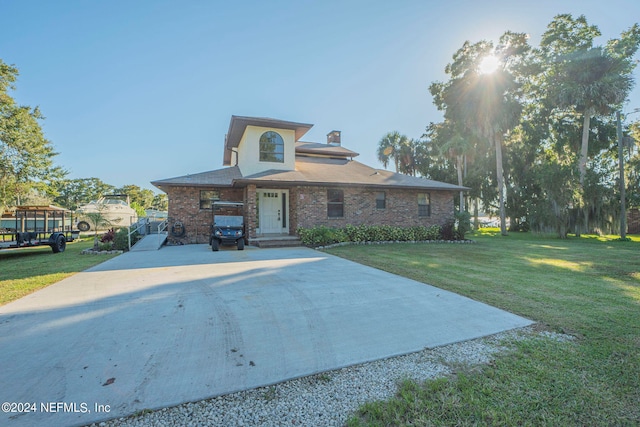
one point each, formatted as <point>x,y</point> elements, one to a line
<point>220,178</point>
<point>323,171</point>
<point>310,171</point>
<point>324,149</point>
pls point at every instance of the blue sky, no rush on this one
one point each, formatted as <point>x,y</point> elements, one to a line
<point>135,91</point>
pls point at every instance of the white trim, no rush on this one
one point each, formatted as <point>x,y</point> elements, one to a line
<point>284,216</point>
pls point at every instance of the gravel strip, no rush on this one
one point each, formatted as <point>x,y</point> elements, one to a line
<point>328,398</point>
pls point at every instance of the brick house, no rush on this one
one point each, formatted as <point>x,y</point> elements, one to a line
<point>286,184</point>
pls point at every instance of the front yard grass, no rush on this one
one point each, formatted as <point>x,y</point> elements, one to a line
<point>23,271</point>
<point>587,287</point>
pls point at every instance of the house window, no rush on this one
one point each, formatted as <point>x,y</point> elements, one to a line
<point>424,204</point>
<point>335,203</point>
<point>207,197</point>
<point>271,147</point>
<point>381,200</point>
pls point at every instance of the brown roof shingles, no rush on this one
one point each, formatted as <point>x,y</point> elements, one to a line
<point>324,149</point>
<point>220,178</point>
<point>323,171</point>
<point>311,171</point>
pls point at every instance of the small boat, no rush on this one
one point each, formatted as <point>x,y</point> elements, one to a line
<point>115,209</point>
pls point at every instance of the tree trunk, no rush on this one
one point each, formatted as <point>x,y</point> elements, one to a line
<point>500,176</point>
<point>459,166</point>
<point>585,212</point>
<point>476,222</point>
<point>582,167</point>
<point>584,149</point>
<point>560,220</point>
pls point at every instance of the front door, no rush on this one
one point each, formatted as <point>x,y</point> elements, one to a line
<point>272,211</point>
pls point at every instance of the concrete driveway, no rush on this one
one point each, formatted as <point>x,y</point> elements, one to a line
<point>160,328</point>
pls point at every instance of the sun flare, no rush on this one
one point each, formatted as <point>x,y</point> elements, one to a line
<point>489,64</point>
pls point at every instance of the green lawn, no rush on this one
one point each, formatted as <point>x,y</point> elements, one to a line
<point>587,287</point>
<point>23,271</point>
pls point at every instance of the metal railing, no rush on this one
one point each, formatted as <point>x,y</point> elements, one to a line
<point>143,223</point>
<point>161,228</point>
<point>131,230</point>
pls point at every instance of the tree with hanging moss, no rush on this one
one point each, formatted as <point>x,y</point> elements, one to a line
<point>485,101</point>
<point>586,80</point>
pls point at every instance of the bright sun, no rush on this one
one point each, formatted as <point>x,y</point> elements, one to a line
<point>489,64</point>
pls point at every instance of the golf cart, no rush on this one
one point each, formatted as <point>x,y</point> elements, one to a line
<point>227,227</point>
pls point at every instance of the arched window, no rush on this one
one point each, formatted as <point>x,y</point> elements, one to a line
<point>271,147</point>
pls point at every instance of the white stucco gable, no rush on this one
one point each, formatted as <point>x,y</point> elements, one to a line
<point>249,159</point>
<point>242,146</point>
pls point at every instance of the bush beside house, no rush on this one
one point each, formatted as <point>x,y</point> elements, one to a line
<point>323,236</point>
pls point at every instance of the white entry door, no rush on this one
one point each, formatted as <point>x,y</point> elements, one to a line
<point>272,206</point>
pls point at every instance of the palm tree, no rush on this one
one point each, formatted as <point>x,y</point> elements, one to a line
<point>453,144</point>
<point>592,82</point>
<point>484,104</point>
<point>408,156</point>
<point>394,146</point>
<point>587,80</point>
<point>98,219</point>
<point>494,112</point>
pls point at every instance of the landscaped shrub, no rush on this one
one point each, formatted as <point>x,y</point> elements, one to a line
<point>105,246</point>
<point>322,235</point>
<point>121,241</point>
<point>448,231</point>
<point>463,223</point>
<point>108,236</point>
<point>426,233</point>
<point>355,233</point>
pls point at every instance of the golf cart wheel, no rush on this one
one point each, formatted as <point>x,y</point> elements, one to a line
<point>83,226</point>
<point>215,245</point>
<point>241,244</point>
<point>59,245</point>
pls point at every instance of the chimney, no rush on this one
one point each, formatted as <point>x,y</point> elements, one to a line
<point>333,137</point>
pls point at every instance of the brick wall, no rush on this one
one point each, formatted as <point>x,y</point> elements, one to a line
<point>250,210</point>
<point>309,208</point>
<point>184,206</point>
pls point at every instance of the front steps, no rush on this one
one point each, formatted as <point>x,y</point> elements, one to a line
<point>276,242</point>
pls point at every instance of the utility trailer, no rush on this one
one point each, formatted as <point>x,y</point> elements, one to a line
<point>39,226</point>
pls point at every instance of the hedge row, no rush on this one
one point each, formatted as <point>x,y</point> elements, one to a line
<point>322,236</point>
